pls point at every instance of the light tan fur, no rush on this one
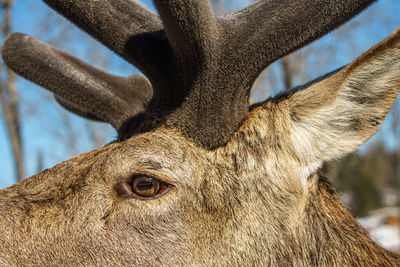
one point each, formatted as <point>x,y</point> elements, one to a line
<point>257,201</point>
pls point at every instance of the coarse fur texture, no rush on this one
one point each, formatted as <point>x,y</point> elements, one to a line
<point>257,200</point>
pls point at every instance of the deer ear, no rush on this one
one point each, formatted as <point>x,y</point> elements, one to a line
<point>338,114</point>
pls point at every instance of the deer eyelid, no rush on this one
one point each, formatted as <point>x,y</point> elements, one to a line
<point>142,187</point>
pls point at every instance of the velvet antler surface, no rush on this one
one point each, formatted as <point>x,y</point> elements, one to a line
<point>201,67</point>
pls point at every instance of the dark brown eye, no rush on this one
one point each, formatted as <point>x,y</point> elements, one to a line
<point>147,187</point>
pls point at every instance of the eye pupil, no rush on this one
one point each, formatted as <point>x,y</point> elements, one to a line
<point>145,186</point>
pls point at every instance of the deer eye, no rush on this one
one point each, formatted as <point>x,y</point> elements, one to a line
<point>148,187</point>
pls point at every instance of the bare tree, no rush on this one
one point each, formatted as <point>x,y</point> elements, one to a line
<point>9,99</point>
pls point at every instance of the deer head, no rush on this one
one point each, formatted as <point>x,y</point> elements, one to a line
<point>197,177</point>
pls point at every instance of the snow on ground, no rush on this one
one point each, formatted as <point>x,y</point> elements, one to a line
<point>383,226</point>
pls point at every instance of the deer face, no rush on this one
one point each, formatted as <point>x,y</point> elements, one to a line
<point>123,227</point>
<point>201,179</point>
<point>87,206</point>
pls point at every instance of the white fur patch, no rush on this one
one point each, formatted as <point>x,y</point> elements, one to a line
<point>306,172</point>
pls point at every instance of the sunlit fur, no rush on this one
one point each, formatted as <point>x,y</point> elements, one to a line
<point>257,201</point>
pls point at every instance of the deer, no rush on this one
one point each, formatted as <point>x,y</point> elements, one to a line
<point>197,176</point>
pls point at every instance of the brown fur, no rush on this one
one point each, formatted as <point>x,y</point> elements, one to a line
<point>240,205</point>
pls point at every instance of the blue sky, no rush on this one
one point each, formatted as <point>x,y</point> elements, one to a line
<point>28,15</point>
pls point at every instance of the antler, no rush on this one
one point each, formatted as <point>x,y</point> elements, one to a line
<point>268,30</point>
<point>77,86</point>
<point>201,66</point>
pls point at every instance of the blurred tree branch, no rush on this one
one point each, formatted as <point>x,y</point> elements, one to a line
<point>9,98</point>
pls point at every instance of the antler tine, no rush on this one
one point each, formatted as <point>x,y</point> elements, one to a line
<point>112,22</point>
<point>78,86</point>
<point>129,29</point>
<point>191,29</point>
<point>268,30</point>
